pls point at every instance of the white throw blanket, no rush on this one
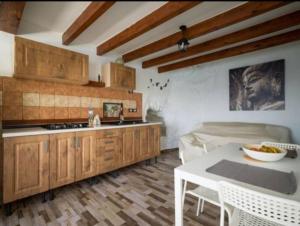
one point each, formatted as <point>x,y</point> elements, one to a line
<point>211,135</point>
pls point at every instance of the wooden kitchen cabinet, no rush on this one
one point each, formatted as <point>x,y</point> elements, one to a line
<point>34,164</point>
<point>144,151</point>
<point>62,159</point>
<point>26,167</point>
<point>128,152</point>
<point>72,158</point>
<point>148,142</point>
<point>154,140</point>
<point>85,155</point>
<point>118,76</point>
<point>34,60</point>
<point>108,150</point>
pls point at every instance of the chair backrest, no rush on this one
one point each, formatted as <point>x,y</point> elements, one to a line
<point>282,145</point>
<point>272,208</point>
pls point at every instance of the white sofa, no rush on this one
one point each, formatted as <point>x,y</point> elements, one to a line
<point>210,135</point>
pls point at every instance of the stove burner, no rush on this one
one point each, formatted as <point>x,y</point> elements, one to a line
<point>65,126</point>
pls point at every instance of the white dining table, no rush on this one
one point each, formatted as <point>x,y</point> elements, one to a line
<point>195,172</point>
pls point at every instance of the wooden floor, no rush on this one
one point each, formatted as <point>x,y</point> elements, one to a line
<point>140,195</point>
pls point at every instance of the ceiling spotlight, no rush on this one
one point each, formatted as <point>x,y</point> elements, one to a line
<point>183,43</point>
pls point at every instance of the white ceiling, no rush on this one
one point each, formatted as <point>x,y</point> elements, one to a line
<point>46,21</point>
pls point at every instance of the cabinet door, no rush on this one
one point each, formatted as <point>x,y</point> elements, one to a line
<point>26,164</point>
<point>85,155</point>
<point>154,140</point>
<point>62,159</point>
<point>76,68</point>
<point>144,147</point>
<point>128,146</point>
<point>137,143</point>
<point>39,61</point>
<point>108,154</point>
<point>122,76</point>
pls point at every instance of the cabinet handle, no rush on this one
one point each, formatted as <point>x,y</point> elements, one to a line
<point>108,133</point>
<point>74,142</point>
<point>78,142</point>
<point>109,142</point>
<point>46,146</point>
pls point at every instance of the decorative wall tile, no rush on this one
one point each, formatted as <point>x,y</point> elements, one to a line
<point>12,98</point>
<point>98,111</point>
<point>47,87</point>
<point>101,102</point>
<point>126,103</point>
<point>0,98</point>
<point>60,101</point>
<point>106,100</point>
<point>86,102</point>
<point>84,113</point>
<point>95,102</point>
<point>49,100</point>
<point>61,113</point>
<point>31,113</point>
<point>1,83</point>
<point>46,112</point>
<point>12,84</point>
<point>83,91</point>
<point>132,104</point>
<point>46,100</point>
<point>12,112</point>
<point>74,112</point>
<point>74,101</point>
<point>61,89</point>
<point>30,86</point>
<point>31,99</point>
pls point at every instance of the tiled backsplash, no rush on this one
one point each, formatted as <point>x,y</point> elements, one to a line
<point>32,100</point>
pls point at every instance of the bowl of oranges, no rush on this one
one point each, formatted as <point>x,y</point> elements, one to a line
<point>264,152</point>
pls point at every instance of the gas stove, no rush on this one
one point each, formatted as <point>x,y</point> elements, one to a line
<point>65,126</point>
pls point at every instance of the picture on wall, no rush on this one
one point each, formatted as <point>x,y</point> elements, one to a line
<point>257,87</point>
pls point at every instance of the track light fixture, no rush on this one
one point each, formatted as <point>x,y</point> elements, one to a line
<point>183,43</point>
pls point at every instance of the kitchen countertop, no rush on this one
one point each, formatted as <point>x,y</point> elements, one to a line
<point>42,131</point>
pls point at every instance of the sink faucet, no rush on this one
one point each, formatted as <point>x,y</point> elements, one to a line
<point>121,116</point>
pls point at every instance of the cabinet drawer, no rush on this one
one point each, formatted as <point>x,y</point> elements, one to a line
<point>109,155</point>
<point>108,142</point>
<point>109,133</point>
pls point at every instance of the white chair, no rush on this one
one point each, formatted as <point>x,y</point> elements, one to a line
<point>282,145</point>
<point>254,208</point>
<point>203,194</point>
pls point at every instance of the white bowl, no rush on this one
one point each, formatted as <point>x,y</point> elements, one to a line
<point>263,156</point>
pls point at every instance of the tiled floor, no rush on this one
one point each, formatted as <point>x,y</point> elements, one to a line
<point>140,195</point>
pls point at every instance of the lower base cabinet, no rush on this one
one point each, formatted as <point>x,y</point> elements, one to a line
<point>85,155</point>
<point>35,164</point>
<point>108,150</point>
<point>140,143</point>
<point>62,159</point>
<point>25,167</point>
<point>129,135</point>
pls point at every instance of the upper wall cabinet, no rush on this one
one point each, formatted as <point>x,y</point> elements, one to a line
<point>118,76</point>
<point>39,61</point>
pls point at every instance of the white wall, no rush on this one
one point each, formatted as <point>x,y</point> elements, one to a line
<point>201,93</point>
<point>7,53</point>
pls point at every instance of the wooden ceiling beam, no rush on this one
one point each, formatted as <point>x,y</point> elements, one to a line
<point>10,16</point>
<point>235,51</point>
<point>232,16</point>
<point>159,16</point>
<point>265,28</point>
<point>86,18</point>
